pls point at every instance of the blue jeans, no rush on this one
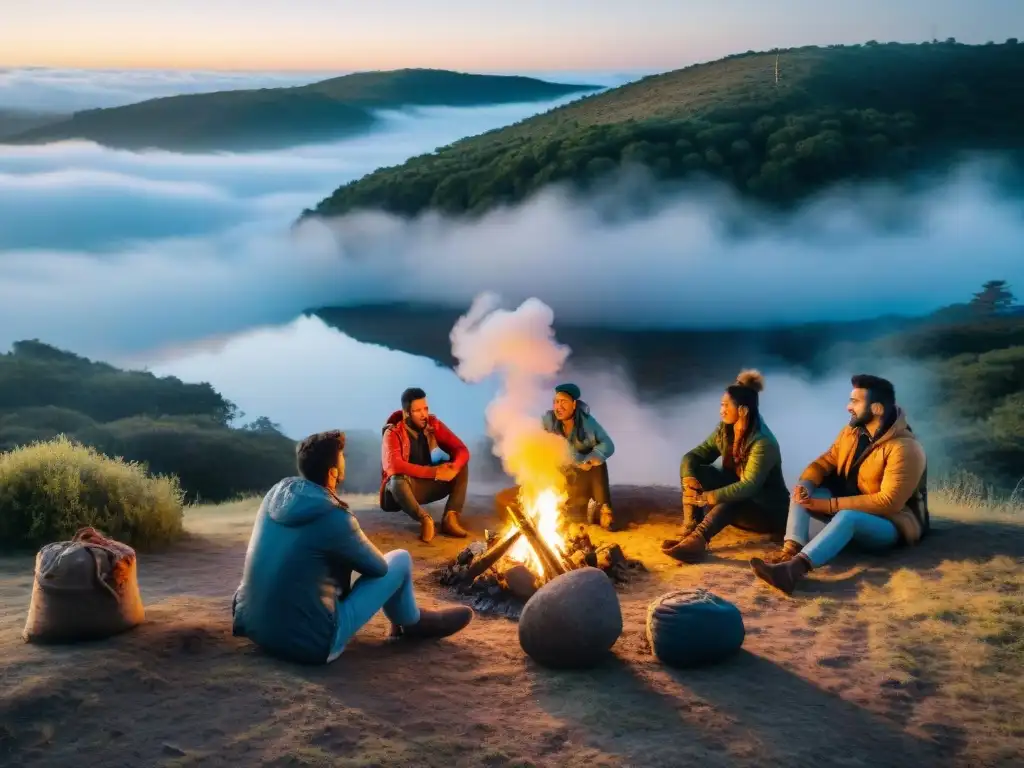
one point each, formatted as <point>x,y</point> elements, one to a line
<point>391,593</point>
<point>869,531</point>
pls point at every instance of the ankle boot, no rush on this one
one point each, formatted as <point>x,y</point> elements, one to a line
<point>607,517</point>
<point>436,623</point>
<point>450,525</point>
<point>790,549</point>
<point>689,526</point>
<point>691,549</point>
<point>426,527</point>
<point>783,576</point>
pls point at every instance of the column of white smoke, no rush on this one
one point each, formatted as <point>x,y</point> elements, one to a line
<point>520,347</point>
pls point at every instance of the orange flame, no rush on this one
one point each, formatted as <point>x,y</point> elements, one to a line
<point>545,510</point>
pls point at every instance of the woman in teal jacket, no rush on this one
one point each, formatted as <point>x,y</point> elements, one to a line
<point>748,492</point>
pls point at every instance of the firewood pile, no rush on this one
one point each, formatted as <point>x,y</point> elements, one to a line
<point>495,584</point>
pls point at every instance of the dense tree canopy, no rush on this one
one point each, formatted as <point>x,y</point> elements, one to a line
<point>834,114</point>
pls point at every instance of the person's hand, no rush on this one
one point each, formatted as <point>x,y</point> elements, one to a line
<point>817,506</point>
<point>589,464</point>
<point>699,498</point>
<point>445,472</point>
<point>800,494</point>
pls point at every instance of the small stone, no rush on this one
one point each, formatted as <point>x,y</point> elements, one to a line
<point>173,751</point>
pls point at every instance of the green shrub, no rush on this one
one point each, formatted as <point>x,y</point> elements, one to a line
<point>48,490</point>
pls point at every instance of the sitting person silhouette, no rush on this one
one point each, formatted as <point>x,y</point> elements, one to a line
<point>297,599</point>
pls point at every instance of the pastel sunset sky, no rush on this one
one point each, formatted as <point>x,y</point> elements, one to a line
<point>480,35</point>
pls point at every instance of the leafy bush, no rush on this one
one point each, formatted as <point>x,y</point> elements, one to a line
<point>48,490</point>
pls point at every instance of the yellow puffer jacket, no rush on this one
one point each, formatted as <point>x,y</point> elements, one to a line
<point>891,477</point>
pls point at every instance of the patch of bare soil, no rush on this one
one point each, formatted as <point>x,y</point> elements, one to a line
<point>814,685</point>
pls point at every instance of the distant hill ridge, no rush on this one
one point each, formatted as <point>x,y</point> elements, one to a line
<point>268,118</point>
<point>777,126</point>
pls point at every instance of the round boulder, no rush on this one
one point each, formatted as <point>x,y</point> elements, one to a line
<point>572,621</point>
<point>693,627</point>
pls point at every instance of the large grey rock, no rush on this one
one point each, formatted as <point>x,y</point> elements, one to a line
<point>573,621</point>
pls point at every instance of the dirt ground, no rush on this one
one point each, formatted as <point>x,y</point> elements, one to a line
<point>812,686</point>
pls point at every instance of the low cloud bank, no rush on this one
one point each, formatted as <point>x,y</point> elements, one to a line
<point>46,89</point>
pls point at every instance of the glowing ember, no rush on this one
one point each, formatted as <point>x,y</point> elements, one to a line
<point>545,510</point>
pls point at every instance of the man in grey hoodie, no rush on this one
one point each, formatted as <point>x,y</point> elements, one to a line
<point>297,599</point>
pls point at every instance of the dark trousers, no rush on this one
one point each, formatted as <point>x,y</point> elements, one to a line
<point>582,485</point>
<point>409,494</point>
<point>746,515</point>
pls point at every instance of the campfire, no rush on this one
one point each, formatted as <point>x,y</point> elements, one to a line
<point>539,544</point>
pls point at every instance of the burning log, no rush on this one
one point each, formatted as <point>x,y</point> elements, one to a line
<point>488,578</point>
<point>521,582</point>
<point>494,554</point>
<point>552,562</point>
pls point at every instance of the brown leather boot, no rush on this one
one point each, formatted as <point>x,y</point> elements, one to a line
<point>426,528</point>
<point>783,576</point>
<point>789,550</point>
<point>690,550</point>
<point>689,526</point>
<point>436,623</point>
<point>450,525</point>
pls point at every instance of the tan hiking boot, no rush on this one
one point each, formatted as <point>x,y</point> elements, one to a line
<point>426,528</point>
<point>436,623</point>
<point>450,525</point>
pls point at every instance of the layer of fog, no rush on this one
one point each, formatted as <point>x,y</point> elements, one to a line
<point>854,252</point>
<point>46,89</point>
<point>107,251</point>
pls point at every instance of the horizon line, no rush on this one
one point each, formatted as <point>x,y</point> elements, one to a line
<point>343,71</point>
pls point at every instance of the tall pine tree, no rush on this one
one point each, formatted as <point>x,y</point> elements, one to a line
<point>994,298</point>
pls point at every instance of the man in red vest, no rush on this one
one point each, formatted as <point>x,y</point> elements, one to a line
<point>410,479</point>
